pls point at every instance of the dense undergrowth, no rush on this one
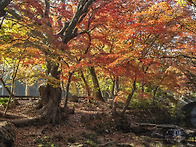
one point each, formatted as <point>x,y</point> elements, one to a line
<point>158,113</point>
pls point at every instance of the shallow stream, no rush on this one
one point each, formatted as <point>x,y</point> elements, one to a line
<point>175,138</point>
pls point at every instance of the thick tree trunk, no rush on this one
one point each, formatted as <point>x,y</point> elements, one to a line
<point>50,103</point>
<point>50,96</point>
<point>97,89</point>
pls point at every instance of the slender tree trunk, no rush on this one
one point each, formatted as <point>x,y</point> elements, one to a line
<point>11,96</point>
<point>67,89</point>
<point>157,87</point>
<point>154,94</point>
<point>96,84</point>
<point>143,83</point>
<point>27,89</point>
<point>129,97</point>
<point>10,93</point>
<point>115,86</point>
<point>112,90</point>
<point>6,88</point>
<point>86,84</point>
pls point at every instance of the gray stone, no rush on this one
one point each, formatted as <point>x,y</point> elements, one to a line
<point>7,134</point>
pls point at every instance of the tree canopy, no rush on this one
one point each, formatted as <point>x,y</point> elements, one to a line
<point>131,48</point>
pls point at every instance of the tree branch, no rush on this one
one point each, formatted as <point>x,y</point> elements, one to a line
<point>14,14</point>
<point>81,9</point>
<point>185,56</point>
<point>47,7</point>
<point>3,4</point>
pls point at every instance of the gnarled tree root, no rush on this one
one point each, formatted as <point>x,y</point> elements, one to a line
<point>10,116</point>
<point>28,122</point>
<point>41,120</point>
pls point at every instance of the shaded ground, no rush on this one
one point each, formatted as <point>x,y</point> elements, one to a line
<point>90,125</point>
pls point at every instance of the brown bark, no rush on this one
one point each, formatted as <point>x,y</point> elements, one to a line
<point>10,93</point>
<point>3,4</point>
<point>113,94</point>
<point>50,95</point>
<point>6,88</point>
<point>86,84</point>
<point>97,89</point>
<point>114,106</point>
<point>67,89</point>
<point>129,97</point>
<point>113,88</point>
<point>50,103</point>
<point>117,85</point>
<point>154,94</point>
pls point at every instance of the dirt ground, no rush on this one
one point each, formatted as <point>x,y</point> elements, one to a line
<point>88,126</point>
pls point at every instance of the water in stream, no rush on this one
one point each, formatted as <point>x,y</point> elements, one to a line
<point>174,138</point>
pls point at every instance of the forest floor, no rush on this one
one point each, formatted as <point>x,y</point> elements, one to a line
<point>89,125</point>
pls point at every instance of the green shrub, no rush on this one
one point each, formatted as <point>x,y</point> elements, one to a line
<point>4,101</point>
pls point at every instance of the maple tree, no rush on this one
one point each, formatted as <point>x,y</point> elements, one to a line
<point>153,37</point>
<point>182,2</point>
<point>13,57</point>
<point>131,45</point>
<point>42,24</point>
